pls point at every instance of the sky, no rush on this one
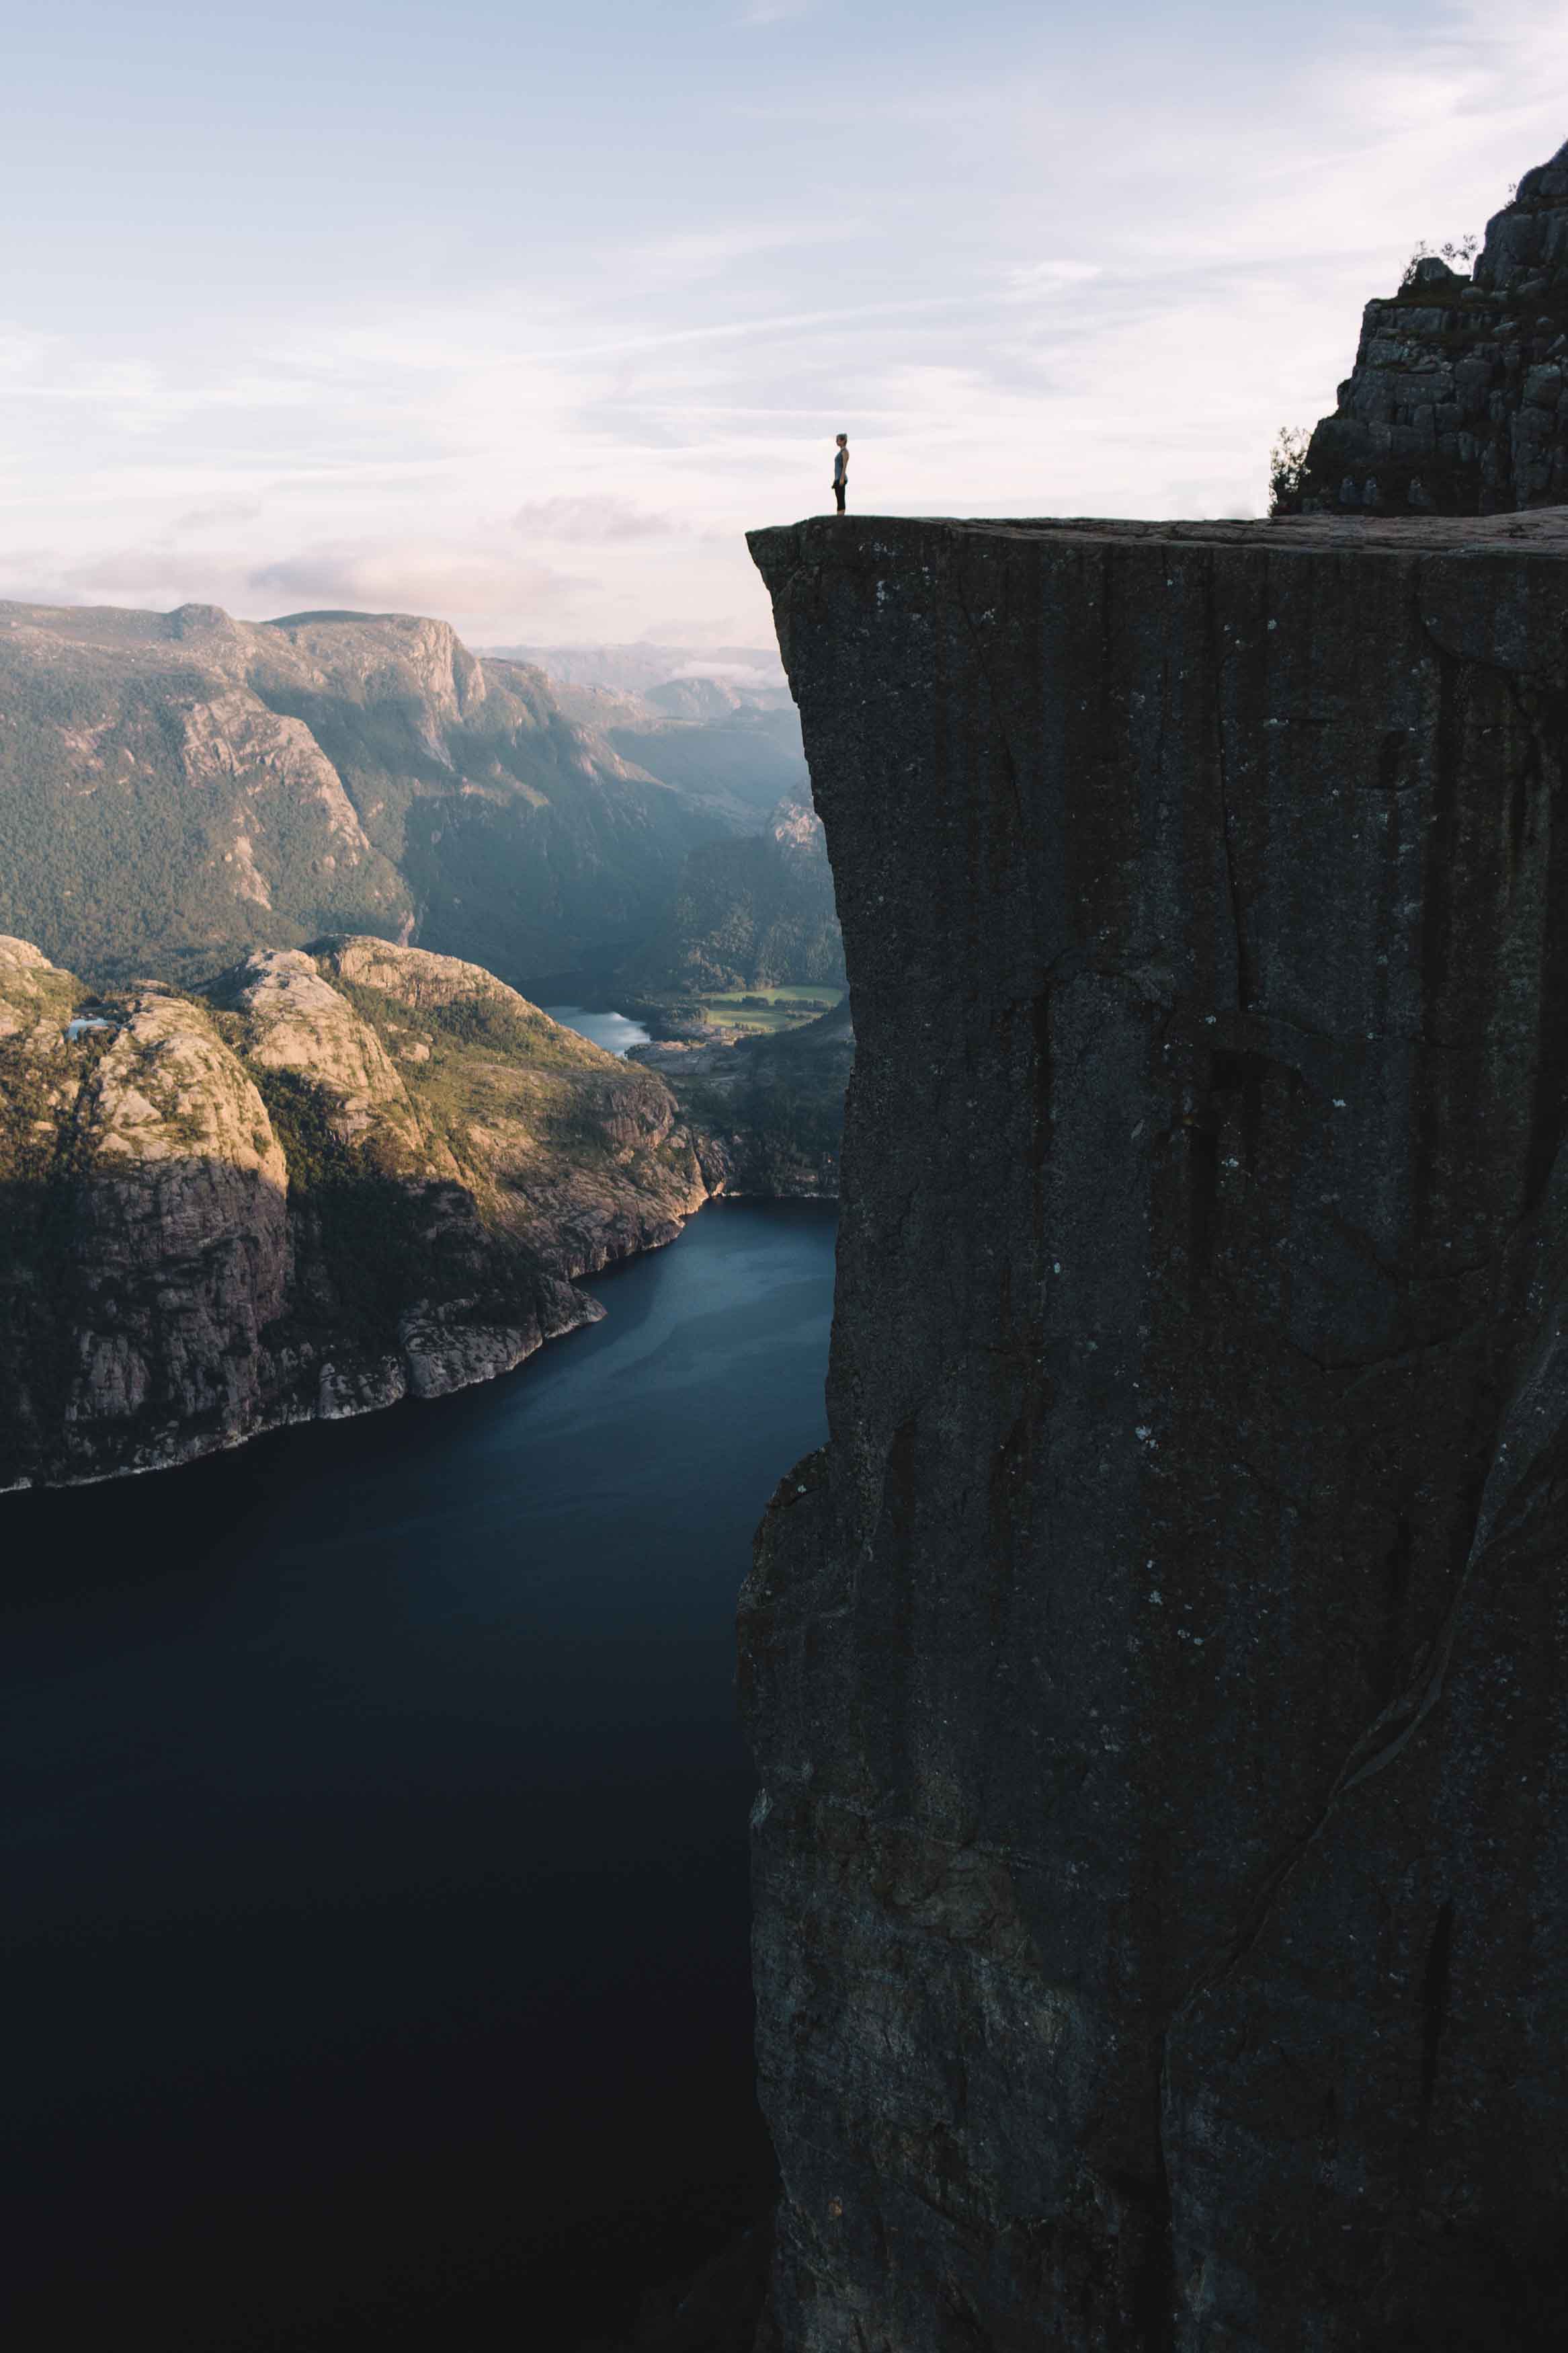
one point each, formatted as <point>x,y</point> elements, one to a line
<point>522,315</point>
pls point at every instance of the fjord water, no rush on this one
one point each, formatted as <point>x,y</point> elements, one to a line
<point>375,1843</point>
<point>614,1031</point>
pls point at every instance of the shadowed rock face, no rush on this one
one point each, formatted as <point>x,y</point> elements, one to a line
<point>1456,403</point>
<point>1157,1683</point>
<point>768,1112</point>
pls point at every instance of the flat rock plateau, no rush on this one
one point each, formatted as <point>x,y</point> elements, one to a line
<point>1158,1683</point>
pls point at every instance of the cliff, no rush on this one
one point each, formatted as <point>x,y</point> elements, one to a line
<point>177,788</point>
<point>1157,1683</point>
<point>1459,400</point>
<point>329,1181</point>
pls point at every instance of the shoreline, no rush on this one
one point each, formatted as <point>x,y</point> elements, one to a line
<point>230,1441</point>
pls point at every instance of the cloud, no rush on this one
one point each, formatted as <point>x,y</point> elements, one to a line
<point>21,351</point>
<point>25,574</point>
<point>1050,278</point>
<point>1090,266</point>
<point>225,511</point>
<point>767,670</point>
<point>732,630</point>
<point>125,569</point>
<point>687,255</point>
<point>412,579</point>
<point>156,575</point>
<point>590,518</point>
<point>450,583</point>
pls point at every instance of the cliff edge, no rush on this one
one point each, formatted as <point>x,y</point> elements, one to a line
<point>1157,1683</point>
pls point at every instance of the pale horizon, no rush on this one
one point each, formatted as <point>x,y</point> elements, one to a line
<point>525,325</point>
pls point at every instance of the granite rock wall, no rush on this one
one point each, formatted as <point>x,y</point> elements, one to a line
<point>1459,400</point>
<point>1157,1683</point>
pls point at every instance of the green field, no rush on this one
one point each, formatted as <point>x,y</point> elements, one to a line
<point>765,1011</point>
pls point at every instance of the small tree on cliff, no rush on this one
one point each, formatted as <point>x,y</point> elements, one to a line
<point>1457,255</point>
<point>1287,469</point>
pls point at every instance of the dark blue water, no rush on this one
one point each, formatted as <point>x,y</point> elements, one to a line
<point>374,1859</point>
<point>611,1031</point>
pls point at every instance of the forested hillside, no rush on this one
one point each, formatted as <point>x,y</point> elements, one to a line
<point>749,913</point>
<point>177,788</point>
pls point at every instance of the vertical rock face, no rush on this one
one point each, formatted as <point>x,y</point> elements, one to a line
<point>1157,1683</point>
<point>1459,400</point>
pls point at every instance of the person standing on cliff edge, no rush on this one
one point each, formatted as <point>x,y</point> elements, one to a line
<point>841,470</point>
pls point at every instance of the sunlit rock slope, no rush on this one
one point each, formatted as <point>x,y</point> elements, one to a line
<point>331,1181</point>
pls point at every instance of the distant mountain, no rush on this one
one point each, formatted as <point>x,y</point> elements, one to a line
<point>721,726</point>
<point>707,697</point>
<point>752,674</point>
<point>177,788</point>
<point>741,763</point>
<point>756,911</point>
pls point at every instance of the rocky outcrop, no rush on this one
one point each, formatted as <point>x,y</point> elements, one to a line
<point>1459,400</point>
<point>768,1112</point>
<point>299,1022</point>
<point>1158,1683</point>
<point>332,1180</point>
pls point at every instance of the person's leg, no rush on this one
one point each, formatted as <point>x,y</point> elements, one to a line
<point>839,494</point>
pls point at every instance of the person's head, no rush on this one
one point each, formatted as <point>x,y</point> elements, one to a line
<point>844,440</point>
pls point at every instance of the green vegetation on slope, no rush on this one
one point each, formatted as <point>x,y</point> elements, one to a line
<point>333,1178</point>
<point>768,1013</point>
<point>750,914</point>
<point>177,788</point>
<point>771,1108</point>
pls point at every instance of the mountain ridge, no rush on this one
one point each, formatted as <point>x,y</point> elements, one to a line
<point>178,787</point>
